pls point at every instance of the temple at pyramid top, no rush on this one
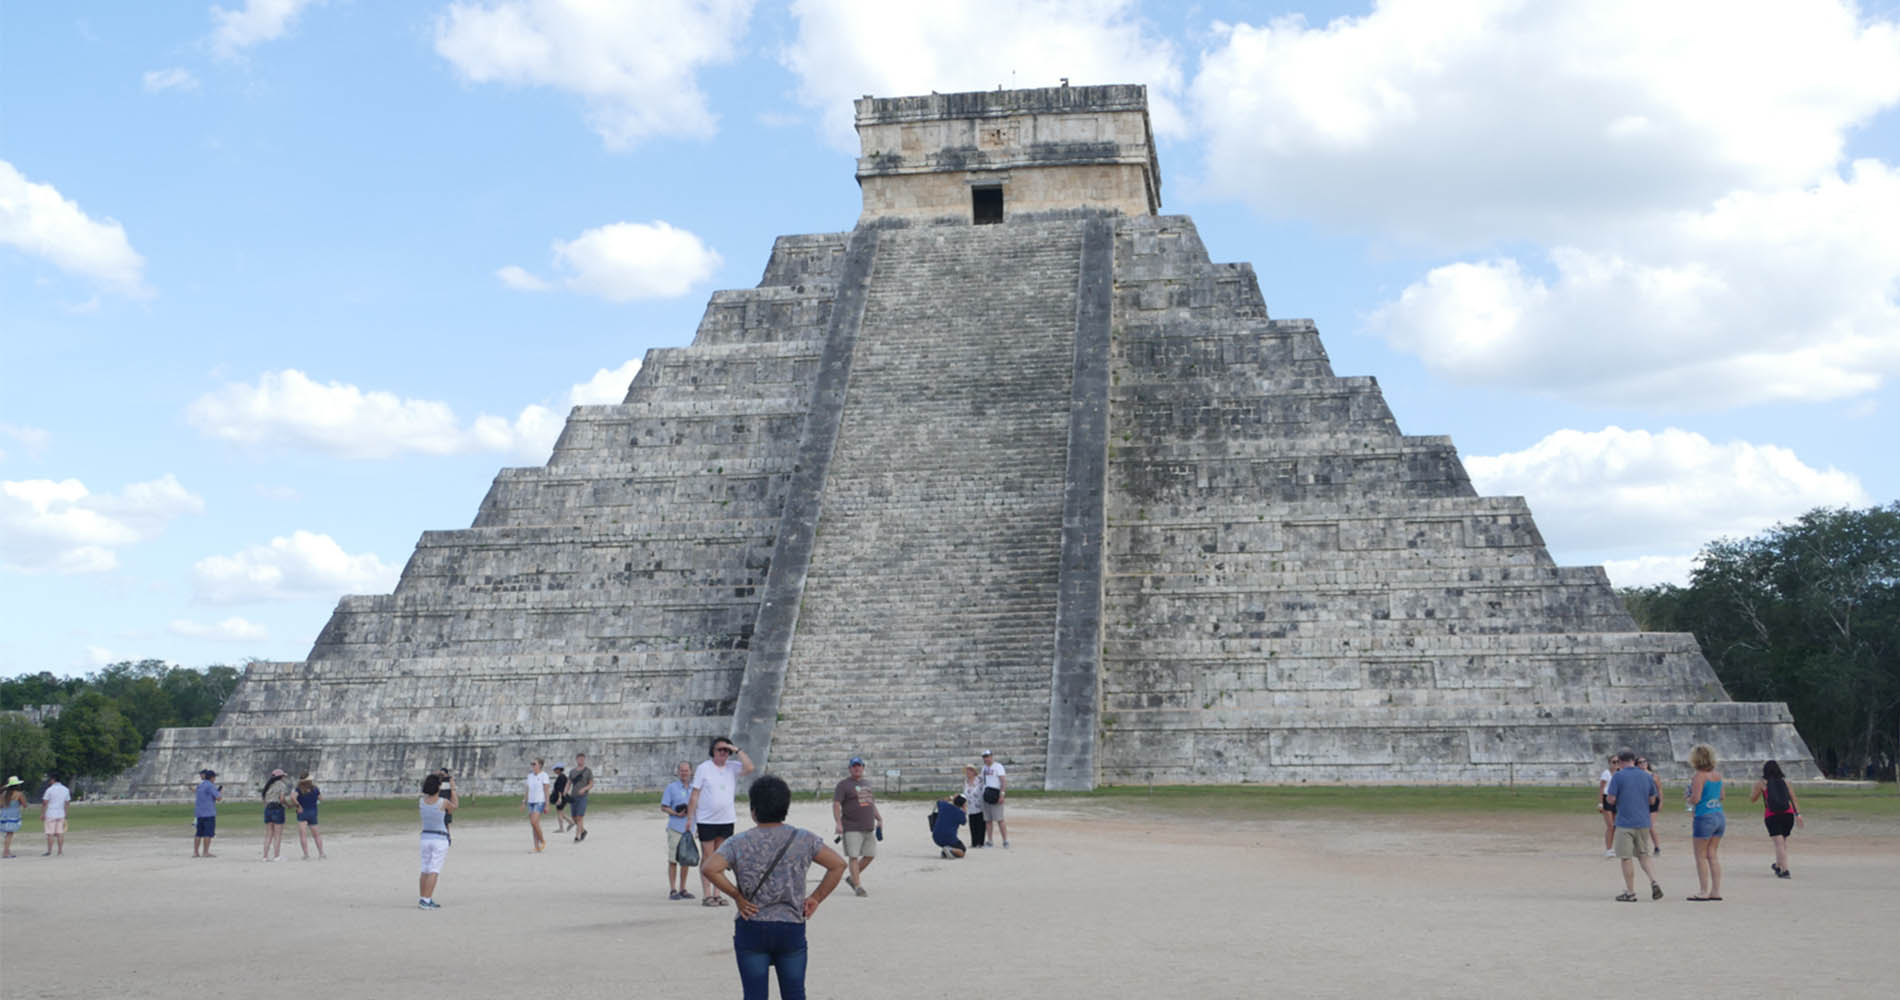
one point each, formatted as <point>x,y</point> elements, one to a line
<point>986,156</point>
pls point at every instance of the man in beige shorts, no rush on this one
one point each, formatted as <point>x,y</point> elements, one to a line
<point>860,825</point>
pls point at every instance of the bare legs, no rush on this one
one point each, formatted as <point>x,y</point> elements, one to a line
<point>706,888</point>
<point>534,822</point>
<point>1609,829</point>
<point>1781,853</point>
<point>273,841</point>
<point>305,828</point>
<point>1708,867</point>
<point>7,850</point>
<point>1629,871</point>
<point>426,886</point>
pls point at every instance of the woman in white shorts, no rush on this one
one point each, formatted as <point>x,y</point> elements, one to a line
<point>435,834</point>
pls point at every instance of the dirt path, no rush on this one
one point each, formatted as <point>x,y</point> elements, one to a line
<point>1102,901</point>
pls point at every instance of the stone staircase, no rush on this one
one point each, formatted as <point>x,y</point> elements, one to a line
<point>927,629</point>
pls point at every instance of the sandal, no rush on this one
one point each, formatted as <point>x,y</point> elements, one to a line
<point>1697,899</point>
<point>1627,897</point>
<point>709,901</point>
<point>1655,890</point>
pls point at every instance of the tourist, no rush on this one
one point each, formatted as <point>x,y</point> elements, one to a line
<point>276,796</point>
<point>1780,812</point>
<point>855,816</point>
<point>767,882</point>
<point>578,785</point>
<point>535,802</point>
<point>1655,803</point>
<point>53,815</point>
<point>995,790</point>
<point>1704,796</point>
<point>946,823</point>
<point>435,809</point>
<point>973,792</point>
<point>559,799</point>
<point>1628,796</point>
<point>308,795</point>
<point>1603,807</point>
<point>205,813</point>
<point>710,813</point>
<point>448,819</point>
<point>673,803</point>
<point>12,804</point>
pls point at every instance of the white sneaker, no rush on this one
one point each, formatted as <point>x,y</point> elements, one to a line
<point>1609,853</point>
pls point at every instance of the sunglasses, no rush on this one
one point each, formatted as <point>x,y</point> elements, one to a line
<point>722,750</point>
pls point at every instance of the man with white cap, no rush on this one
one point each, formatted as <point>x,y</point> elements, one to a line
<point>995,790</point>
<point>859,824</point>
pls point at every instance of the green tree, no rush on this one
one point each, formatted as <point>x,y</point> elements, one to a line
<point>1807,613</point>
<point>93,739</point>
<point>25,748</point>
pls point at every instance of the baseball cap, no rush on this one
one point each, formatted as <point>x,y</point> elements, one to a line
<point>986,753</point>
<point>209,773</point>
<point>857,762</point>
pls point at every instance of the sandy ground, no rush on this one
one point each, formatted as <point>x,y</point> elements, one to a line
<point>1098,900</point>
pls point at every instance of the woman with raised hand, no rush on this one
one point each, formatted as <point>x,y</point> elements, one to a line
<point>767,866</point>
<point>437,802</point>
<point>276,795</point>
<point>308,795</point>
<point>1780,812</point>
<point>1704,797</point>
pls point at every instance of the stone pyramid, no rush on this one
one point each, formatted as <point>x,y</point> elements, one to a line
<point>1011,465</point>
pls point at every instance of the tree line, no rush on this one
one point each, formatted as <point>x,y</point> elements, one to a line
<point>1806,613</point>
<point>104,719</point>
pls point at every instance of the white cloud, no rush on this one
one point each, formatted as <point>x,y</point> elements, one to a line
<point>520,280</point>
<point>100,656</point>
<point>1456,120</point>
<point>609,385</point>
<point>33,439</point>
<point>290,410</point>
<point>1645,501</point>
<point>1647,571</point>
<point>1793,295</point>
<point>634,63</point>
<point>174,78</point>
<point>305,564</point>
<point>846,49</point>
<point>233,629</point>
<point>258,21</point>
<point>625,261</point>
<point>37,219</point>
<point>49,526</point>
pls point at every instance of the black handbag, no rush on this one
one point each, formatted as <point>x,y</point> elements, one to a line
<point>992,795</point>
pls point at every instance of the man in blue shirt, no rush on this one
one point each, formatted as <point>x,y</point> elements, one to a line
<point>1628,795</point>
<point>673,804</point>
<point>949,823</point>
<point>206,812</point>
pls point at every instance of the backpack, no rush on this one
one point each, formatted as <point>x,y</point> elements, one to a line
<point>1775,796</point>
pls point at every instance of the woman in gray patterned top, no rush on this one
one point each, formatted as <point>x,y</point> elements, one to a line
<point>767,866</point>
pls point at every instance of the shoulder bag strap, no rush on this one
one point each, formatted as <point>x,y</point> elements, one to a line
<point>760,884</point>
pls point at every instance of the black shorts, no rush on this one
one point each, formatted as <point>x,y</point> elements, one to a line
<point>714,831</point>
<point>1780,825</point>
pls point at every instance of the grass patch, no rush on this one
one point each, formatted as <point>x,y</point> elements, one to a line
<point>240,815</point>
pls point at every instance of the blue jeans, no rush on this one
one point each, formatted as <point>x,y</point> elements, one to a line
<point>761,944</point>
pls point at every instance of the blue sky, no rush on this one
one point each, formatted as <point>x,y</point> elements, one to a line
<point>283,283</point>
